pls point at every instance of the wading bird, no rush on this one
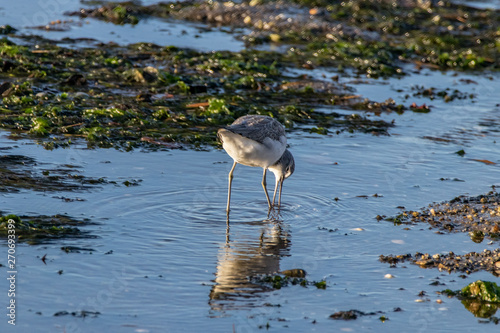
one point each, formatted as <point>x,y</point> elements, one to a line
<point>258,141</point>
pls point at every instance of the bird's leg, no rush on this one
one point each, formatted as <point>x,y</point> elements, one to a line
<point>227,231</point>
<point>275,189</point>
<point>281,190</point>
<point>229,188</point>
<point>265,188</point>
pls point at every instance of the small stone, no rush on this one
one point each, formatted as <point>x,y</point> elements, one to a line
<point>297,272</point>
<point>313,11</point>
<point>6,88</point>
<point>150,74</point>
<point>274,38</point>
<point>42,95</point>
<point>81,95</point>
<point>424,262</point>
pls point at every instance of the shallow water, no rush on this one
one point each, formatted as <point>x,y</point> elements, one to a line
<point>27,14</point>
<point>491,4</point>
<point>166,258</point>
<point>176,266</point>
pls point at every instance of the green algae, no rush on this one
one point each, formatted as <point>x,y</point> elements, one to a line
<point>481,298</point>
<point>113,97</point>
<point>375,37</point>
<point>482,290</point>
<point>18,172</point>
<point>7,29</point>
<point>145,95</point>
<point>279,281</point>
<point>43,228</point>
<point>441,34</point>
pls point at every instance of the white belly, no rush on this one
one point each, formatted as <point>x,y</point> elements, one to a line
<point>250,152</point>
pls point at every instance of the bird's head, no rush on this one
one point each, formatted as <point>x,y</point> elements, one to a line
<point>285,166</point>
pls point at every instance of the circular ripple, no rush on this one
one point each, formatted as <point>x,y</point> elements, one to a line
<point>196,206</point>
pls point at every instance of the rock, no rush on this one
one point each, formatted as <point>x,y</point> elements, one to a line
<point>6,65</point>
<point>42,95</point>
<point>134,75</point>
<point>297,272</point>
<point>144,97</point>
<point>352,314</point>
<point>150,74</point>
<point>75,80</point>
<point>345,315</point>
<point>7,29</point>
<point>483,290</point>
<point>6,88</point>
<point>425,262</point>
<point>198,89</point>
<point>80,95</point>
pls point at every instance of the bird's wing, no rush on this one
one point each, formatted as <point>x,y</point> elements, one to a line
<point>257,128</point>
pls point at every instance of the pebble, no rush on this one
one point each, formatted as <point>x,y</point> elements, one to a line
<point>80,94</point>
<point>296,272</point>
<point>479,215</point>
<point>487,260</point>
<point>42,94</point>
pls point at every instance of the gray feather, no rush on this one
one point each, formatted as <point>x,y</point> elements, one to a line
<point>286,163</point>
<point>257,128</point>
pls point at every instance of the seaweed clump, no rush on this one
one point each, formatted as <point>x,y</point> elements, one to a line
<point>481,298</point>
<point>287,278</point>
<point>43,228</point>
<point>144,95</point>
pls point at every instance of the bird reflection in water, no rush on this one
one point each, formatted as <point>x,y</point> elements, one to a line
<point>252,249</point>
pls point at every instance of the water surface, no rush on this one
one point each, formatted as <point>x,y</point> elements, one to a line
<point>166,259</point>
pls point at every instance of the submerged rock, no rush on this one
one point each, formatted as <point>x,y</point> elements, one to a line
<point>481,298</point>
<point>483,290</point>
<point>352,314</point>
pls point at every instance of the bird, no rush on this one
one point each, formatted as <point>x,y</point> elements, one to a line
<point>258,141</point>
